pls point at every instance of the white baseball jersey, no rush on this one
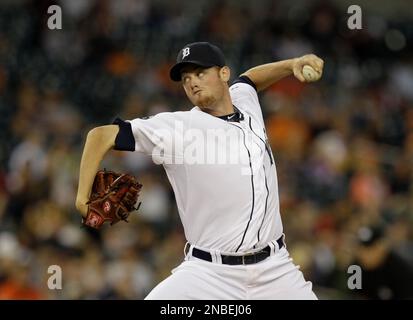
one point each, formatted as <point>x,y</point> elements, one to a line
<point>221,170</point>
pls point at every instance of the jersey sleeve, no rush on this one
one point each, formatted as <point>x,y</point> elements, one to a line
<point>246,80</point>
<point>152,136</point>
<point>244,96</point>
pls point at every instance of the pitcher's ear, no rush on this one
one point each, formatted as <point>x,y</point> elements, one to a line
<point>225,73</point>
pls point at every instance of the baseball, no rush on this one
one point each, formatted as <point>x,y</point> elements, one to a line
<point>310,74</point>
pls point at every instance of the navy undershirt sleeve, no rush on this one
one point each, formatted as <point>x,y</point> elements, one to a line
<point>125,140</point>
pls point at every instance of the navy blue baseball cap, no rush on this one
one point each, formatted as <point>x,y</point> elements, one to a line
<point>202,54</point>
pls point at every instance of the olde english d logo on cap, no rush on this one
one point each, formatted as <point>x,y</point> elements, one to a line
<point>185,53</point>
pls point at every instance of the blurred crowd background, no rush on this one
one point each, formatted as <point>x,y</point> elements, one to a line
<point>343,146</point>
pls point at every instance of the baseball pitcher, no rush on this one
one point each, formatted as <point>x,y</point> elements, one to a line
<point>223,173</point>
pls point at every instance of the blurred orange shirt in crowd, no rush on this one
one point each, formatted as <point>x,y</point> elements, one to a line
<point>11,290</point>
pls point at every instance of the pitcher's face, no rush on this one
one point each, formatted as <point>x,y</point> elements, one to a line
<point>205,86</point>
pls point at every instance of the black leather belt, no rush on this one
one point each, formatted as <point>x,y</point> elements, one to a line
<point>250,258</point>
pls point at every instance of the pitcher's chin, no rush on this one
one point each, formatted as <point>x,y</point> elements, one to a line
<point>206,103</point>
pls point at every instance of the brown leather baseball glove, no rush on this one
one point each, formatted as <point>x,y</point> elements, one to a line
<point>112,199</point>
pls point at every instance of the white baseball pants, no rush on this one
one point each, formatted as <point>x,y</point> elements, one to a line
<point>271,279</point>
